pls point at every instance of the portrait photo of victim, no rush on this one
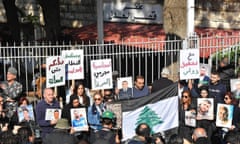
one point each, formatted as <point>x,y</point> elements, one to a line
<point>224,115</point>
<point>205,108</point>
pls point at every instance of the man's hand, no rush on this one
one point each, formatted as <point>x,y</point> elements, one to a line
<point>158,141</point>
<point>9,100</point>
<point>72,131</point>
<point>53,122</point>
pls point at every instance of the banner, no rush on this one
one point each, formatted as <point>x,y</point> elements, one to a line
<point>55,69</point>
<point>159,110</point>
<point>74,64</point>
<point>101,74</point>
<point>189,64</point>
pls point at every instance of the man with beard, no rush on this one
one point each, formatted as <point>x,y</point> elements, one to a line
<point>140,89</point>
<point>217,90</point>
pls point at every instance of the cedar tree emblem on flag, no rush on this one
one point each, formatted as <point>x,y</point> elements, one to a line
<point>150,117</point>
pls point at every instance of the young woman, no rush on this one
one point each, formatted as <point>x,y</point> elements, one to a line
<point>95,111</point>
<point>185,105</point>
<point>230,100</point>
<point>79,91</point>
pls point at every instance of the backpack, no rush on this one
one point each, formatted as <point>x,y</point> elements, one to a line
<point>102,140</point>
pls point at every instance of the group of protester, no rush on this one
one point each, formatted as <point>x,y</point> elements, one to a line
<point>101,121</point>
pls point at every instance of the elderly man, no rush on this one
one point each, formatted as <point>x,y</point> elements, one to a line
<point>11,88</point>
<point>49,102</point>
<point>163,82</point>
<point>200,136</point>
<point>11,91</point>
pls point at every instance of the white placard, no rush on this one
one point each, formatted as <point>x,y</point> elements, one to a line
<point>74,59</point>
<point>55,69</point>
<point>189,64</point>
<point>101,74</point>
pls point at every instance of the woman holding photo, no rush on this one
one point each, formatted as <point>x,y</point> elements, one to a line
<point>74,103</point>
<point>223,114</point>
<point>185,131</point>
<point>230,100</point>
<point>208,124</point>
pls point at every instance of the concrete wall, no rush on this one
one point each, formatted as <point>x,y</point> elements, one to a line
<point>215,14</point>
<point>77,13</point>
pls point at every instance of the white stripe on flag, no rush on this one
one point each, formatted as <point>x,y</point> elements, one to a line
<point>166,110</point>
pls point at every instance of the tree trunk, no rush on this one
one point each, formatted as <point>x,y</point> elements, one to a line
<point>51,12</point>
<point>175,17</point>
<point>12,20</point>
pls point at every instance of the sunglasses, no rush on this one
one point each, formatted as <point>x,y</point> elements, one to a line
<point>97,99</point>
<point>226,98</point>
<point>184,96</point>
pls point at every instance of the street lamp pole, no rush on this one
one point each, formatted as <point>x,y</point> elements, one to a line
<point>100,29</point>
<point>190,17</point>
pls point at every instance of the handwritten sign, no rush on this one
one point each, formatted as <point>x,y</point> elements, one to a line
<point>133,12</point>
<point>55,71</point>
<point>189,64</point>
<point>101,74</point>
<point>75,65</point>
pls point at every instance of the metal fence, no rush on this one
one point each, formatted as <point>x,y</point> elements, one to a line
<point>129,58</point>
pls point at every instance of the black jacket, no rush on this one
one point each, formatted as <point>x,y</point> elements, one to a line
<point>202,140</point>
<point>60,137</point>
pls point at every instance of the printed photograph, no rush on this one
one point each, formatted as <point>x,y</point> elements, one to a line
<point>79,119</point>
<point>190,118</point>
<point>25,113</point>
<point>224,115</point>
<point>205,108</point>
<point>124,85</point>
<point>235,88</point>
<point>52,114</point>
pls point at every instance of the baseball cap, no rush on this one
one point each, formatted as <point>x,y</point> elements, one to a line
<point>12,70</point>
<point>62,124</point>
<point>108,114</point>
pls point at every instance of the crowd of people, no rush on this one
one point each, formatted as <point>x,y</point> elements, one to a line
<point>35,128</point>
